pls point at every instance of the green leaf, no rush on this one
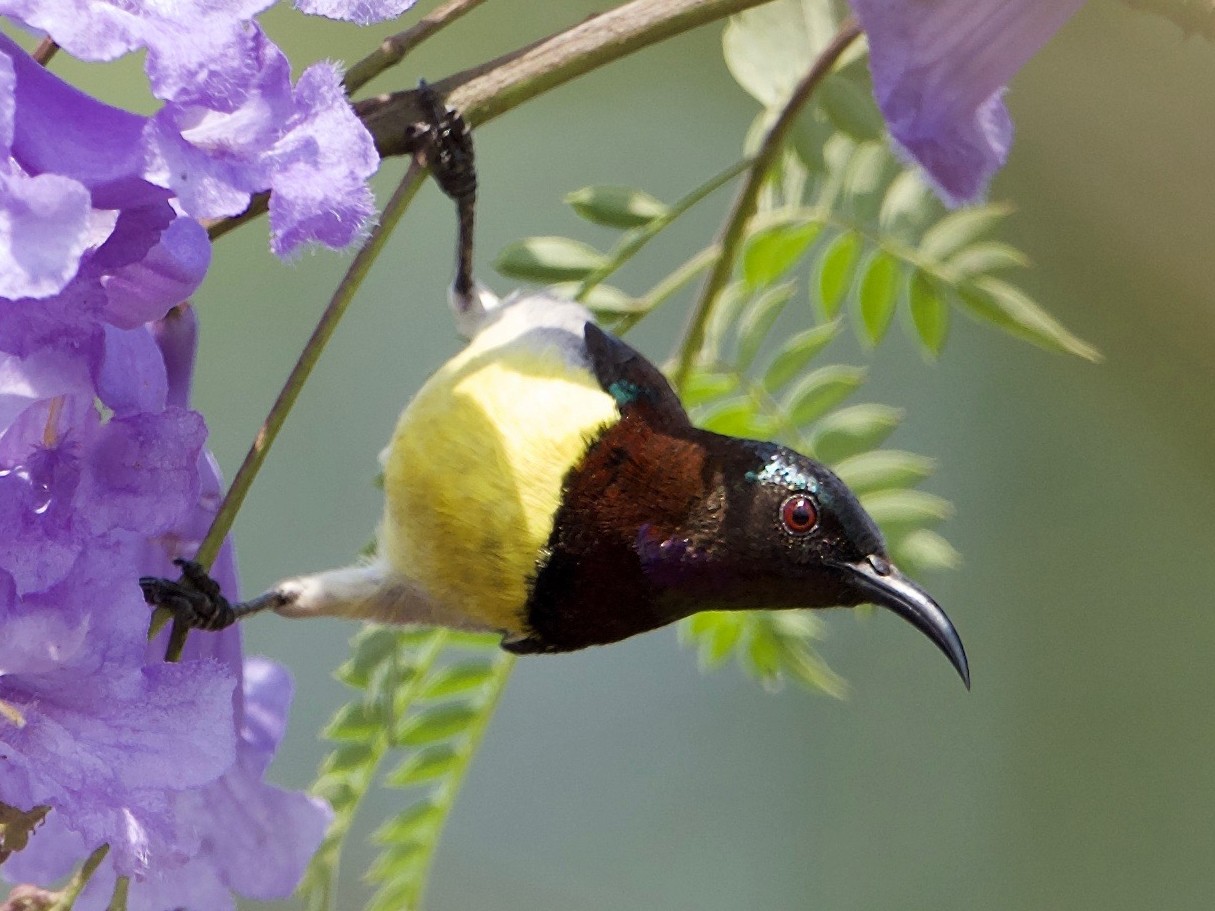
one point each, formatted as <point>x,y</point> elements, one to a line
<point>617,207</point>
<point>1013,310</point>
<point>852,430</point>
<point>487,642</point>
<point>984,257</point>
<point>851,108</point>
<point>704,386</point>
<point>835,270</point>
<point>923,550</point>
<point>436,723</point>
<point>907,204</point>
<point>904,509</point>
<point>757,320</point>
<point>764,655</point>
<point>929,312</point>
<point>793,356</point>
<point>795,632</point>
<point>348,757</point>
<point>369,648</point>
<point>810,133</point>
<point>771,251</point>
<point>883,468</point>
<point>715,633</point>
<point>960,229</point>
<point>457,678</point>
<point>413,824</point>
<point>820,391</point>
<point>767,49</point>
<point>879,292</point>
<point>735,417</point>
<point>605,300</point>
<point>723,318</point>
<point>549,259</point>
<point>779,644</point>
<point>425,765</point>
<point>356,721</point>
<point>864,178</point>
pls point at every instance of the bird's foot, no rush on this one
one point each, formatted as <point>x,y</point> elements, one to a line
<point>443,142</point>
<point>194,600</point>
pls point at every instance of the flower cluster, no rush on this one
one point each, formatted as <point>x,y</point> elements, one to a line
<point>103,472</point>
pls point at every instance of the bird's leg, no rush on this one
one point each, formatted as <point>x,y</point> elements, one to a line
<point>196,600</point>
<point>443,142</point>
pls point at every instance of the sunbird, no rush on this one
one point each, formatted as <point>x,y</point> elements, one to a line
<point>547,484</point>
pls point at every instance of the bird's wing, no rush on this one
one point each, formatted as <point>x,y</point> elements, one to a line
<point>637,385</point>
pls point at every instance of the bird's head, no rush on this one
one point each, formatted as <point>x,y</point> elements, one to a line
<point>774,528</point>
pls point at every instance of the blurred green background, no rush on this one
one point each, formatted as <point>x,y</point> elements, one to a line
<point>1078,774</point>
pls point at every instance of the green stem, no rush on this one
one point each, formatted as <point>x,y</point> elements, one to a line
<point>635,240</point>
<point>393,50</point>
<point>745,204</point>
<point>668,287</point>
<point>446,796</point>
<point>307,360</point>
<point>325,865</point>
<point>80,879</point>
<point>118,901</point>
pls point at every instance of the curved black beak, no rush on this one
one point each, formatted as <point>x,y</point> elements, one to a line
<point>884,585</point>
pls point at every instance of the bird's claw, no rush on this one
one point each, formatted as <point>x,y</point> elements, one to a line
<point>194,600</point>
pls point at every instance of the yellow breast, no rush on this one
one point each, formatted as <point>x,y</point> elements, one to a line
<point>474,471</point>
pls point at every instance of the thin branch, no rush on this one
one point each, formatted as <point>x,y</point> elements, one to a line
<point>393,50</point>
<point>80,879</point>
<point>745,204</point>
<point>260,448</point>
<point>487,91</point>
<point>634,241</point>
<point>484,92</point>
<point>118,901</point>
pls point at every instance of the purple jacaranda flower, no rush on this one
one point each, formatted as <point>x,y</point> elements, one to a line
<point>939,71</point>
<point>364,12</point>
<point>303,143</point>
<point>194,47</point>
<point>202,823</point>
<point>232,125</point>
<point>125,257</point>
<point>100,736</point>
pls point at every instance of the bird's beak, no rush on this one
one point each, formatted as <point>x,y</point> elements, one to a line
<point>884,585</point>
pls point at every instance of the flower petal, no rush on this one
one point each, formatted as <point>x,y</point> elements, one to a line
<point>363,12</point>
<point>321,167</point>
<point>939,71</point>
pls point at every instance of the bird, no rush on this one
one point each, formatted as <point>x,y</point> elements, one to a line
<point>547,484</point>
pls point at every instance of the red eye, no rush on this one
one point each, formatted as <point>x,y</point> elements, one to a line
<point>799,515</point>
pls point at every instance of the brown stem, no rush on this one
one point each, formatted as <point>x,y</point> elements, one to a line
<point>393,50</point>
<point>484,92</point>
<point>745,203</point>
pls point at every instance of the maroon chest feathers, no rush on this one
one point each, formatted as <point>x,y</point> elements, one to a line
<point>635,488</point>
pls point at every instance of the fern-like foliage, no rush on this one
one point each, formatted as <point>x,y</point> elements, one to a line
<point>423,699</point>
<point>875,240</point>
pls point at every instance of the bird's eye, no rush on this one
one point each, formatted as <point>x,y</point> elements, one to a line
<point>799,515</point>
